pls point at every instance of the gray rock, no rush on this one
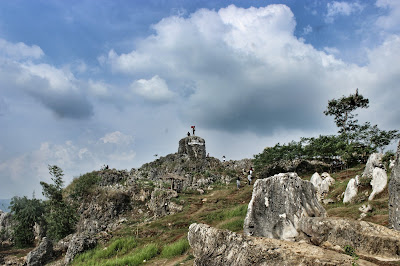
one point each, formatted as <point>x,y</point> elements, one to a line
<point>277,204</point>
<point>160,202</point>
<point>41,254</point>
<point>374,160</point>
<point>394,193</point>
<point>378,182</point>
<point>5,226</point>
<point>366,238</point>
<point>351,190</point>
<point>193,146</point>
<point>216,247</point>
<point>77,245</point>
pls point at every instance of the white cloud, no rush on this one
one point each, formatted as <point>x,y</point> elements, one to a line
<point>391,21</point>
<point>19,50</point>
<point>332,50</point>
<point>117,138</point>
<point>335,9</point>
<point>307,30</point>
<point>154,89</point>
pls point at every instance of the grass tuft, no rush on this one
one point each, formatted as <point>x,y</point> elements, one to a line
<point>175,249</point>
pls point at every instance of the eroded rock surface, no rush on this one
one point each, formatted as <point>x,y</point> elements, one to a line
<point>41,254</point>
<point>212,246</point>
<point>366,238</point>
<point>351,190</point>
<point>77,245</point>
<point>5,226</point>
<point>277,204</point>
<point>193,146</point>
<point>394,193</point>
<point>378,182</point>
<point>161,204</point>
<point>374,160</point>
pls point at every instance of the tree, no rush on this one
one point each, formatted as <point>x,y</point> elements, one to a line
<point>60,215</point>
<point>26,212</point>
<point>342,109</point>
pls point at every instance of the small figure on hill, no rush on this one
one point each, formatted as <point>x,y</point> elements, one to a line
<point>238,182</point>
<point>250,175</point>
<point>194,129</point>
<point>188,134</point>
<point>223,158</point>
<point>107,167</point>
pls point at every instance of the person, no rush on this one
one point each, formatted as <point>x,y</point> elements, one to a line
<point>188,134</point>
<point>238,182</point>
<point>194,129</point>
<point>249,176</point>
<point>223,158</point>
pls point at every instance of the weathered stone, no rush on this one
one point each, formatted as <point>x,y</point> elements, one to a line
<point>193,146</point>
<point>277,203</point>
<point>378,182</point>
<point>327,178</point>
<point>216,247</point>
<point>41,254</point>
<point>160,203</point>
<point>366,238</point>
<point>316,180</point>
<point>112,176</point>
<point>77,245</point>
<point>5,226</point>
<point>394,193</point>
<point>374,160</point>
<point>351,190</point>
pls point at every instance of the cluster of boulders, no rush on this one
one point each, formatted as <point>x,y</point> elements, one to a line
<point>322,184</point>
<point>284,207</point>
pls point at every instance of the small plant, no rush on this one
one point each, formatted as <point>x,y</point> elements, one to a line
<point>349,250</point>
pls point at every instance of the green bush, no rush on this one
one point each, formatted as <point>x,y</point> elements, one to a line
<point>175,249</point>
<point>83,185</point>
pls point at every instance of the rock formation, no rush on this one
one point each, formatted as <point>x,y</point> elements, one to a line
<point>160,203</point>
<point>351,190</point>
<point>41,254</point>
<point>378,182</point>
<point>221,247</point>
<point>277,204</point>
<point>5,227</point>
<point>193,146</point>
<point>394,193</point>
<point>322,184</point>
<point>374,160</point>
<point>79,244</point>
<point>367,238</point>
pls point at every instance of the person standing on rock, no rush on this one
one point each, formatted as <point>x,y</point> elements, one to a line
<point>188,134</point>
<point>194,129</point>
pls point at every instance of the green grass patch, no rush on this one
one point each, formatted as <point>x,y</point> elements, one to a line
<point>138,257</point>
<point>221,215</point>
<point>235,225</point>
<point>175,249</point>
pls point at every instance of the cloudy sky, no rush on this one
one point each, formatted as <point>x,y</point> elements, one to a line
<point>87,83</point>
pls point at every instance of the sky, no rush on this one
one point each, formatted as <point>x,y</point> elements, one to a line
<point>94,82</point>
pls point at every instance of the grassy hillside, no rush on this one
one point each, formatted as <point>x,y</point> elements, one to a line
<point>164,241</point>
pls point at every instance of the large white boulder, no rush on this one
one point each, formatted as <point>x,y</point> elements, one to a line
<point>374,160</point>
<point>378,182</point>
<point>351,190</point>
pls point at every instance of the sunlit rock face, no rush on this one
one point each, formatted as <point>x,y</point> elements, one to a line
<point>278,203</point>
<point>193,146</point>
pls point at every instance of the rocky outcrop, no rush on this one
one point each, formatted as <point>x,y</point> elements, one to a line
<point>221,247</point>
<point>5,227</point>
<point>77,245</point>
<point>374,160</point>
<point>378,182</point>
<point>394,193</point>
<point>277,204</point>
<point>351,190</point>
<point>41,254</point>
<point>112,177</point>
<point>160,203</point>
<point>193,146</point>
<point>298,166</point>
<point>366,238</point>
<point>322,183</point>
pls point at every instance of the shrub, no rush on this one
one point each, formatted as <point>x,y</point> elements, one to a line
<point>83,185</point>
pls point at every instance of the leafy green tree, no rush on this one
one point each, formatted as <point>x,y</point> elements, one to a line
<point>26,212</point>
<point>60,215</point>
<point>343,111</point>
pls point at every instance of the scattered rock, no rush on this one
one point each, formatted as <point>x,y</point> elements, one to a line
<point>277,203</point>
<point>217,247</point>
<point>41,254</point>
<point>378,182</point>
<point>328,201</point>
<point>394,193</point>
<point>366,238</point>
<point>351,189</point>
<point>77,245</point>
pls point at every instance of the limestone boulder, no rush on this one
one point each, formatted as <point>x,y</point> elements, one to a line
<point>160,203</point>
<point>217,247</point>
<point>378,182</point>
<point>5,226</point>
<point>41,254</point>
<point>394,193</point>
<point>367,238</point>
<point>374,160</point>
<point>351,190</point>
<point>316,180</point>
<point>77,245</point>
<point>193,146</point>
<point>326,177</point>
<point>277,204</point>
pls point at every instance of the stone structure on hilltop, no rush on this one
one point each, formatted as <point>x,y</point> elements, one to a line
<point>193,146</point>
<point>278,203</point>
<point>394,193</point>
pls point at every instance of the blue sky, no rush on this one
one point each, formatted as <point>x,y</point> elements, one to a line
<point>87,83</point>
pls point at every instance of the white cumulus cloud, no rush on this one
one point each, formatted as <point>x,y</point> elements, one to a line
<point>335,9</point>
<point>154,89</point>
